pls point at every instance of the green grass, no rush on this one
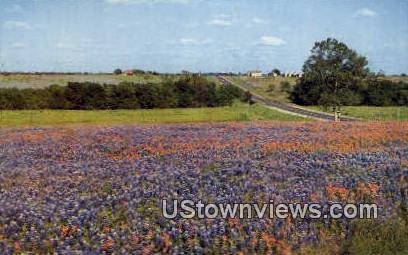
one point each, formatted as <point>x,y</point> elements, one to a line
<point>41,81</point>
<point>237,112</point>
<point>371,112</point>
<point>371,237</point>
<point>267,87</point>
<point>366,236</point>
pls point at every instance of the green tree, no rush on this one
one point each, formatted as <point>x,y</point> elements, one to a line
<point>226,94</point>
<point>277,71</point>
<point>123,96</point>
<point>57,99</point>
<point>332,76</point>
<point>12,99</point>
<point>146,94</point>
<point>35,98</point>
<point>285,87</point>
<point>167,97</point>
<point>185,92</point>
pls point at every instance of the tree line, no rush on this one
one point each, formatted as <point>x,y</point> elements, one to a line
<point>188,91</point>
<point>335,75</point>
<point>372,91</point>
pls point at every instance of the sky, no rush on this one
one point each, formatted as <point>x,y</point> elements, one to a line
<point>196,35</point>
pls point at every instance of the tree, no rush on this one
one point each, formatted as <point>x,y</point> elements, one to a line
<point>381,73</point>
<point>86,96</point>
<point>332,76</point>
<point>117,71</point>
<point>276,71</point>
<point>123,96</point>
<point>12,99</point>
<point>285,87</point>
<point>147,95</point>
<point>35,98</point>
<point>167,97</point>
<point>57,99</point>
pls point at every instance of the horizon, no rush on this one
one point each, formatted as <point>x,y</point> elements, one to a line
<point>169,36</point>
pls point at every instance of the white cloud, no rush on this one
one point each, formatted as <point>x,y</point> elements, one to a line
<point>118,2</point>
<point>258,20</point>
<point>221,20</point>
<point>18,45</point>
<point>188,41</point>
<point>15,24</point>
<point>194,41</point>
<point>271,41</point>
<point>365,12</point>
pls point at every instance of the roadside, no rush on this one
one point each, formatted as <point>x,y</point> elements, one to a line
<point>285,107</point>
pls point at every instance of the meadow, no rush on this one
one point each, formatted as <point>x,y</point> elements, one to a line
<point>22,81</point>
<point>267,87</point>
<point>92,181</point>
<point>98,189</point>
<point>381,113</point>
<point>236,112</point>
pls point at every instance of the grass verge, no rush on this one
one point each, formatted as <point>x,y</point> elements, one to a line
<point>237,112</point>
<point>371,112</point>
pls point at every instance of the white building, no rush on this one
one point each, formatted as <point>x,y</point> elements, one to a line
<point>254,73</point>
<point>292,74</point>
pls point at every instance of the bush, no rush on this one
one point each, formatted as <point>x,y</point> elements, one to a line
<point>386,93</point>
<point>189,91</point>
<point>12,99</point>
<point>377,92</point>
<point>285,87</point>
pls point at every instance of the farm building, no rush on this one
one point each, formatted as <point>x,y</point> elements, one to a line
<point>273,74</point>
<point>292,74</point>
<point>254,73</point>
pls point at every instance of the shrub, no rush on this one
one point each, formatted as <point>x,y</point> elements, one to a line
<point>189,91</point>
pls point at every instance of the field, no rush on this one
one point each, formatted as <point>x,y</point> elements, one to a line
<point>372,112</point>
<point>267,87</point>
<point>41,81</point>
<point>93,181</point>
<point>237,112</point>
<point>396,78</point>
<point>98,189</point>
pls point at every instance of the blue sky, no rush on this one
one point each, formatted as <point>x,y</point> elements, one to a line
<point>195,35</point>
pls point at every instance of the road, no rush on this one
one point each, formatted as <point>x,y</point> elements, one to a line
<point>285,107</point>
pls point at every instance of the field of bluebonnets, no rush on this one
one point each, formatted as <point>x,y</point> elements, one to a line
<point>98,189</point>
